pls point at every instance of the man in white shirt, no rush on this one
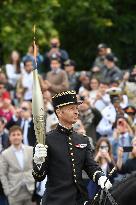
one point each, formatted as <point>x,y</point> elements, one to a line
<point>27,79</point>
<point>16,169</point>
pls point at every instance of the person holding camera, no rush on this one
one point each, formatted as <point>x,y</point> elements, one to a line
<point>130,165</point>
<point>129,85</point>
<point>122,136</point>
<point>55,52</point>
<point>104,157</point>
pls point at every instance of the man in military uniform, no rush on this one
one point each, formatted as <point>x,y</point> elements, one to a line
<point>64,156</point>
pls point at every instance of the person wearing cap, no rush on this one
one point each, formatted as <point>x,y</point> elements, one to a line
<point>130,113</point>
<point>110,70</point>
<point>73,75</point>
<point>64,156</point>
<point>54,52</point>
<point>130,165</point>
<point>56,79</point>
<point>102,50</point>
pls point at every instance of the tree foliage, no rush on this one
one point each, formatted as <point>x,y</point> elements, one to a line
<point>18,18</point>
<point>81,25</point>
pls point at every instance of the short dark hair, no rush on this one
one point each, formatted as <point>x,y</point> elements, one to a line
<point>101,45</point>
<point>55,59</point>
<point>15,128</point>
<point>29,59</point>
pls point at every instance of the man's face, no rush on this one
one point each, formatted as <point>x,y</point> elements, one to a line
<point>68,114</point>
<point>103,87</point>
<point>25,110</point>
<point>16,137</point>
<point>29,66</point>
<point>109,64</point>
<point>54,64</point>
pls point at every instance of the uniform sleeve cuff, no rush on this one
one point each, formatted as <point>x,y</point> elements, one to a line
<point>97,175</point>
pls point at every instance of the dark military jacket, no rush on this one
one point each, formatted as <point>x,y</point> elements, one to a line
<point>63,166</point>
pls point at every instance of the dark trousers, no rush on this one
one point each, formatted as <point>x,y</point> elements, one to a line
<point>3,200</point>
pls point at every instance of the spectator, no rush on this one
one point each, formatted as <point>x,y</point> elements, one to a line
<point>102,52</point>
<point>122,136</point>
<point>94,85</point>
<point>14,68</point>
<point>73,75</point>
<point>16,170</point>
<point>104,155</point>
<point>105,160</point>
<point>23,117</point>
<point>96,72</point>
<point>111,72</point>
<point>56,80</point>
<point>129,85</point>
<point>15,117</point>
<point>130,113</point>
<point>3,78</point>
<point>26,123</point>
<point>55,52</point>
<point>7,109</point>
<point>85,81</point>
<point>102,98</point>
<point>110,112</point>
<point>130,165</point>
<point>3,93</point>
<point>3,146</point>
<point>90,118</point>
<point>3,134</point>
<point>24,85</point>
<point>30,56</point>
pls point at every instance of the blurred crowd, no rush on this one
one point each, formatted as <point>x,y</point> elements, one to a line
<point>107,115</point>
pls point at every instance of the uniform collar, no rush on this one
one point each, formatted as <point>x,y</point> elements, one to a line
<point>64,130</point>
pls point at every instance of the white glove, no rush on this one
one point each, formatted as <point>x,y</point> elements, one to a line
<point>40,153</point>
<point>102,183</point>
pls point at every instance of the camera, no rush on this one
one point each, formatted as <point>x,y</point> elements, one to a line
<point>54,45</point>
<point>127,149</point>
<point>82,98</point>
<point>132,78</point>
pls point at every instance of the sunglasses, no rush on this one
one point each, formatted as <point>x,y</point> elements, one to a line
<point>24,108</point>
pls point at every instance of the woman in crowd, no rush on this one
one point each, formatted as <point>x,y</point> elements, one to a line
<point>130,165</point>
<point>104,157</point>
<point>94,85</point>
<point>14,68</point>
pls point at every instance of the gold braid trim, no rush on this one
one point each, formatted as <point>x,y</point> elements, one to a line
<point>65,93</point>
<point>60,105</point>
<point>94,175</point>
